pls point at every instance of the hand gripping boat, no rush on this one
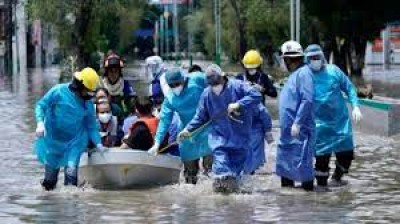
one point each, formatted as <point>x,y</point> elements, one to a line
<point>126,169</point>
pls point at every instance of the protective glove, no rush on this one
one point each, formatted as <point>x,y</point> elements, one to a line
<point>356,114</point>
<point>269,138</point>
<point>233,107</point>
<point>154,149</point>
<point>183,135</point>
<point>101,148</point>
<point>40,129</point>
<point>295,130</point>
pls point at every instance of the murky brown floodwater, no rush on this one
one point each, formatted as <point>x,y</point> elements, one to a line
<point>372,197</point>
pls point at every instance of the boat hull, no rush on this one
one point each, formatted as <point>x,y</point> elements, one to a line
<point>127,169</point>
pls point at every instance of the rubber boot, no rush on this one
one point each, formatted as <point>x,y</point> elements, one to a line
<point>308,186</point>
<point>71,176</point>
<point>285,182</point>
<point>226,185</point>
<point>190,171</point>
<point>50,180</point>
<point>48,185</point>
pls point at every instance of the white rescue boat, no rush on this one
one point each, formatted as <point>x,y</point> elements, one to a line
<point>127,169</point>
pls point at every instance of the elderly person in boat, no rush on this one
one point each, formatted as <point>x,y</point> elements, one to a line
<point>66,122</point>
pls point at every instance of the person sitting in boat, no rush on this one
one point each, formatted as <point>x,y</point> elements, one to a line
<point>108,124</point>
<point>102,93</point>
<point>122,93</point>
<point>66,122</point>
<point>131,119</point>
<point>141,133</point>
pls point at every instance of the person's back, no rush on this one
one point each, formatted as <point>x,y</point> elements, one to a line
<point>141,133</point>
<point>140,136</point>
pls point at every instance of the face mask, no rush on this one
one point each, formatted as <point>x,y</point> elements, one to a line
<point>217,89</point>
<point>177,90</point>
<point>316,65</point>
<point>103,134</point>
<point>104,117</point>
<point>213,79</point>
<point>156,113</point>
<point>252,71</point>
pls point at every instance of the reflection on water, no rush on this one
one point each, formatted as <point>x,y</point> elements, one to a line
<point>372,197</point>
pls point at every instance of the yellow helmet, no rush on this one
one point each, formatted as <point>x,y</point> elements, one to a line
<point>252,59</point>
<point>89,78</point>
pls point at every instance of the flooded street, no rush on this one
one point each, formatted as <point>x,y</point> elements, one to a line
<point>373,195</point>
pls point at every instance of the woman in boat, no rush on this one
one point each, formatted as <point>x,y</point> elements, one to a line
<point>108,123</point>
<point>102,93</point>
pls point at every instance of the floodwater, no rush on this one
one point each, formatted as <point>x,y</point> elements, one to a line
<point>385,82</point>
<point>373,195</point>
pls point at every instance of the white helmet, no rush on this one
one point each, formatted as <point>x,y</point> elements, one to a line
<point>292,48</point>
<point>154,60</point>
<point>154,64</point>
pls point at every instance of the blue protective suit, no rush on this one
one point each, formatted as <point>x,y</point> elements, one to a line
<point>262,79</point>
<point>262,124</point>
<point>157,94</point>
<point>228,139</point>
<point>173,134</point>
<point>334,131</point>
<point>185,106</point>
<point>70,123</point>
<point>295,155</point>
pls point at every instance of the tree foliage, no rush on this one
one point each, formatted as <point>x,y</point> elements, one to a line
<point>86,26</point>
<point>345,27</point>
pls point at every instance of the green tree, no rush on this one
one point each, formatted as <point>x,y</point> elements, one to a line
<point>345,27</point>
<point>85,26</point>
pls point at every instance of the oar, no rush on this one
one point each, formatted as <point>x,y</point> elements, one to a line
<point>201,128</point>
